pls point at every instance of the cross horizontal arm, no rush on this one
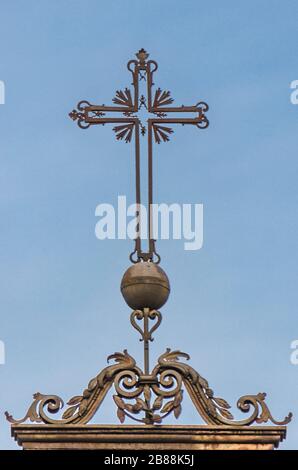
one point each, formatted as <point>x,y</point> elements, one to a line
<point>107,120</point>
<point>88,115</point>
<point>176,120</point>
<point>200,108</point>
<point>161,132</point>
<point>111,109</point>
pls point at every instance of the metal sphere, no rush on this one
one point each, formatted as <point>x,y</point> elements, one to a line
<point>145,285</point>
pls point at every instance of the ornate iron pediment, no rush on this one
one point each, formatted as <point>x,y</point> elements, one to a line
<point>148,398</point>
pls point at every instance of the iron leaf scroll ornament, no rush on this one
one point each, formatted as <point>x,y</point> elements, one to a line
<point>148,398</point>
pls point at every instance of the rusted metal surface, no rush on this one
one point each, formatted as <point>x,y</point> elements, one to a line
<point>165,437</point>
<point>128,124</point>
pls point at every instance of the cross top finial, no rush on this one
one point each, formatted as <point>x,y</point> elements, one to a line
<point>142,56</point>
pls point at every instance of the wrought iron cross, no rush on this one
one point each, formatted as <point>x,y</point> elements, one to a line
<point>158,393</point>
<point>158,128</point>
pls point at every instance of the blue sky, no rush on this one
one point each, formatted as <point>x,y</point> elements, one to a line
<point>233,305</point>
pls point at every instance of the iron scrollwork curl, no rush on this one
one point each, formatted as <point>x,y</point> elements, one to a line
<point>212,409</point>
<point>143,315</point>
<point>81,408</point>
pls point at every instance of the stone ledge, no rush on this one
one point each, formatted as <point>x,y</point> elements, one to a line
<point>159,437</point>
